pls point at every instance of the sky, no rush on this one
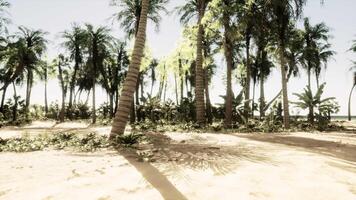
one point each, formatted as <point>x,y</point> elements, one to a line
<point>55,16</point>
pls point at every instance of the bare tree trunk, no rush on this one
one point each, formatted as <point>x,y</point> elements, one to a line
<point>122,114</point>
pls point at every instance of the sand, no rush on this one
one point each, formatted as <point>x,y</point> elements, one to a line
<point>315,166</point>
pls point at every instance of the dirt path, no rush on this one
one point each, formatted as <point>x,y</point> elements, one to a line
<point>189,166</point>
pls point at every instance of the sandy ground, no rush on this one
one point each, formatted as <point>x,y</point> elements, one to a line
<point>315,166</point>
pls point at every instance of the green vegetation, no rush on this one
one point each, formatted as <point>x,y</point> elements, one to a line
<point>253,36</point>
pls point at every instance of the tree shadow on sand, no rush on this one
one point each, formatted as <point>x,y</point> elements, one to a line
<point>198,155</point>
<point>159,181</point>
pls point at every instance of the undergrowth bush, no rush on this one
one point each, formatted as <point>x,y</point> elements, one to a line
<point>80,142</point>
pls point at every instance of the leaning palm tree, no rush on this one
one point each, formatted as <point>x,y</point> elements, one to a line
<point>189,11</point>
<point>25,56</point>
<point>98,40</point>
<point>353,49</point>
<point>350,97</point>
<point>282,12</point>
<point>74,43</point>
<point>126,98</point>
<point>129,18</point>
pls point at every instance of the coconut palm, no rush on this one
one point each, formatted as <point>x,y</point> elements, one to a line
<point>98,40</point>
<point>74,42</point>
<point>323,55</point>
<point>130,83</point>
<point>350,97</point>
<point>46,70</point>
<point>353,49</point>
<point>130,11</point>
<point>313,55</point>
<point>64,79</point>
<point>193,9</point>
<point>129,18</point>
<point>25,57</point>
<point>282,12</point>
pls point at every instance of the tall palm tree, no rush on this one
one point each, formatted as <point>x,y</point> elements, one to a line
<point>98,40</point>
<point>130,83</point>
<point>129,18</point>
<point>63,76</point>
<point>190,10</point>
<point>46,70</point>
<point>282,12</point>
<point>74,42</point>
<point>353,49</point>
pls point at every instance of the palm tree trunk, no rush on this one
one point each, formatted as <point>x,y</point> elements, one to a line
<point>14,109</point>
<point>111,102</point>
<point>284,88</point>
<point>207,97</point>
<point>229,60</point>
<point>248,78</point>
<point>181,82</point>
<point>253,98</point>
<point>262,96</point>
<point>349,105</point>
<point>199,79</point>
<point>45,92</point>
<point>61,114</point>
<point>87,99</point>
<point>3,98</point>
<point>72,86</point>
<point>122,114</point>
<point>94,106</point>
<point>28,92</point>
<point>176,88</point>
<point>309,77</point>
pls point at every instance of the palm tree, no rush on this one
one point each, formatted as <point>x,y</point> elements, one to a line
<point>25,58</point>
<point>323,55</point>
<point>281,13</point>
<point>74,41</point>
<point>63,76</point>
<point>353,49</point>
<point>191,9</point>
<point>98,40</point>
<point>129,18</point>
<point>130,83</point>
<point>46,70</point>
<point>313,35</point>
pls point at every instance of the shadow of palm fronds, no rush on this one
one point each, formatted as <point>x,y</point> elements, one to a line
<point>221,159</point>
